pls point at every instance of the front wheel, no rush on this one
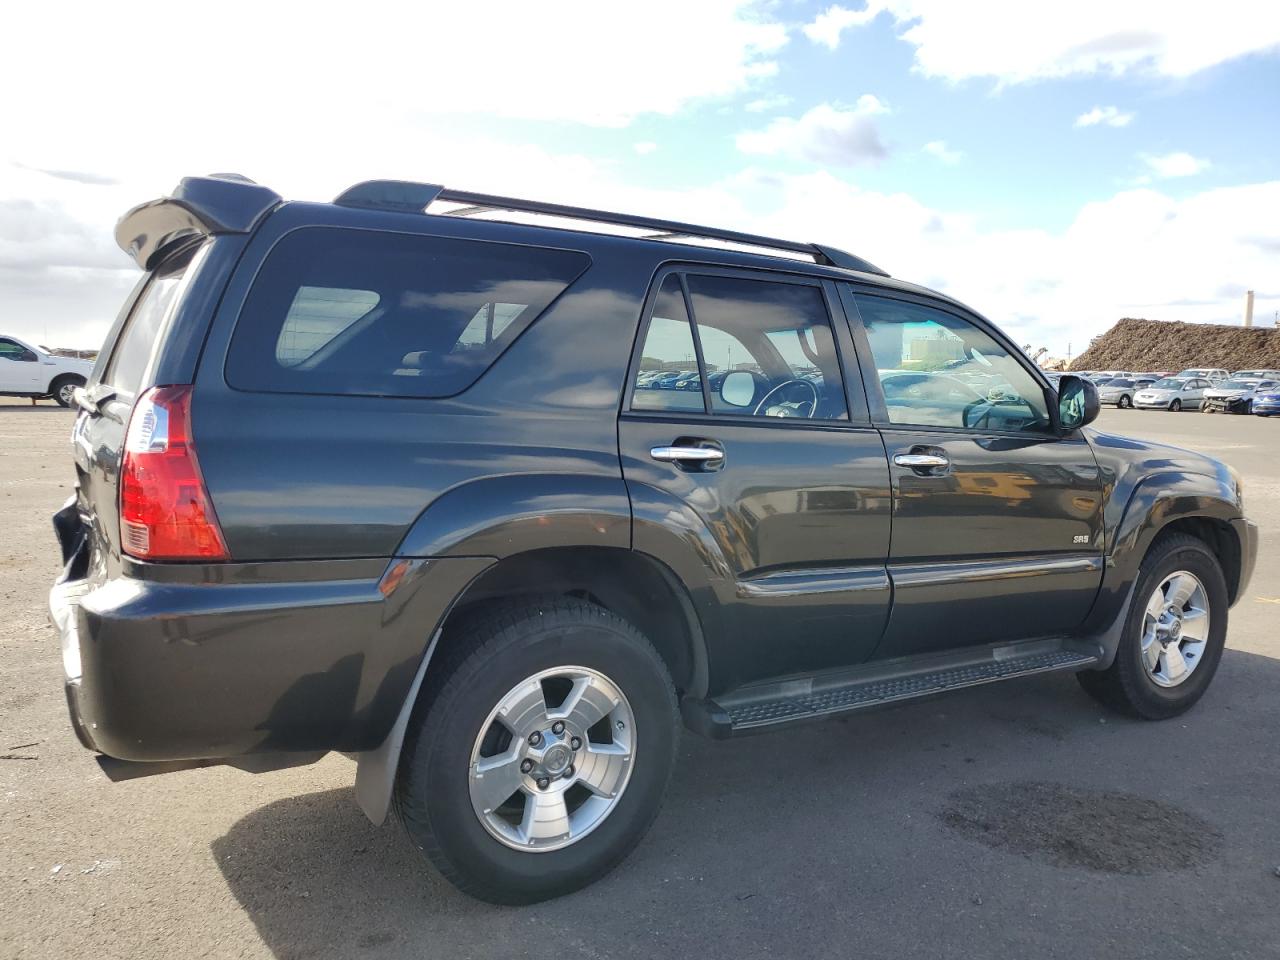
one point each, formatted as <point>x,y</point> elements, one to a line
<point>539,755</point>
<point>1175,406</point>
<point>64,388</point>
<point>1124,403</point>
<point>1174,633</point>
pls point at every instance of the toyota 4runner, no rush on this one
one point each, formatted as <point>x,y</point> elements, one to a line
<point>496,506</point>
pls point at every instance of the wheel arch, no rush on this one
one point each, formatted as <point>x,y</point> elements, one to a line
<point>635,586</point>
<point>64,375</point>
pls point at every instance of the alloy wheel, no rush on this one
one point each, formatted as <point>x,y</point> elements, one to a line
<point>553,758</point>
<point>1175,629</point>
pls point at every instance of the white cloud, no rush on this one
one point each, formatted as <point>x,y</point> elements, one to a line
<point>766,104</point>
<point>827,27</point>
<point>644,147</point>
<point>940,150</point>
<point>1137,253</point>
<point>1178,164</point>
<point>826,134</point>
<point>1015,42</point>
<point>1109,116</point>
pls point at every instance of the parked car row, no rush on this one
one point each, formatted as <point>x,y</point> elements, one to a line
<point>1207,389</point>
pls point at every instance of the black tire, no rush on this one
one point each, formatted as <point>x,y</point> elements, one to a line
<point>58,389</point>
<point>1124,403</point>
<point>1175,405</point>
<point>1125,686</point>
<point>483,661</point>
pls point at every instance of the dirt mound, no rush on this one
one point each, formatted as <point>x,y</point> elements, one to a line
<point>1159,345</point>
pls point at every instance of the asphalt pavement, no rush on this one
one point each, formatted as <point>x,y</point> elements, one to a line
<point>1019,820</point>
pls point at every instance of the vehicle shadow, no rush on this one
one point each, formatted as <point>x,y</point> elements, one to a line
<point>810,841</point>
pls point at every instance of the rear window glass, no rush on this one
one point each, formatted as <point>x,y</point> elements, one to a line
<point>386,314</point>
<point>137,339</point>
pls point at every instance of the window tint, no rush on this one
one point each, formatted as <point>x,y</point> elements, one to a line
<point>938,370</point>
<point>386,314</point>
<point>668,377</point>
<point>1120,382</point>
<point>137,340</point>
<point>15,351</point>
<point>776,334</point>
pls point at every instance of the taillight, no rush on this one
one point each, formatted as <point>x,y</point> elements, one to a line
<point>165,513</point>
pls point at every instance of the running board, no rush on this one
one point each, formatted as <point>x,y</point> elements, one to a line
<point>763,706</point>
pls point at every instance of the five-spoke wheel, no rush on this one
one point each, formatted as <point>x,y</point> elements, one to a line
<point>553,759</point>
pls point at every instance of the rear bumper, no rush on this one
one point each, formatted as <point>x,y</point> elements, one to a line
<point>163,671</point>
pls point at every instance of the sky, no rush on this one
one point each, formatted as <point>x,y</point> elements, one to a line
<point>1055,166</point>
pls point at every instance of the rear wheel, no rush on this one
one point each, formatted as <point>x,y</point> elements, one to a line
<point>1174,633</point>
<point>63,389</point>
<point>1176,405</point>
<point>537,761</point>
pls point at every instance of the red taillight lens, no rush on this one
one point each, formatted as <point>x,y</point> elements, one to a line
<point>165,513</point>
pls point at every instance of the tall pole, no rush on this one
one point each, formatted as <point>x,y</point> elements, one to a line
<point>1248,308</point>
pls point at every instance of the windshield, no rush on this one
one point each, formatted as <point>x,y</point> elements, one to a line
<point>1120,382</point>
<point>1168,383</point>
<point>1194,372</point>
<point>1237,385</point>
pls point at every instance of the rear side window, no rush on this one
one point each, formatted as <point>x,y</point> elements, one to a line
<point>137,339</point>
<point>363,312</point>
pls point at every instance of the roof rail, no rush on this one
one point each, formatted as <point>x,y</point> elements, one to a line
<point>405,197</point>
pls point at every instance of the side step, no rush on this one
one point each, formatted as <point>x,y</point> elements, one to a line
<point>762,706</point>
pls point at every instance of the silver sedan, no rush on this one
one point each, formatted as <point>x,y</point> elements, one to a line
<point>1172,393</point>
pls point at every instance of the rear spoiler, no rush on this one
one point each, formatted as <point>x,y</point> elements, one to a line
<point>199,207</point>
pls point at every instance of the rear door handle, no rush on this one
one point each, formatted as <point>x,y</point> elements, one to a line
<point>918,461</point>
<point>707,456</point>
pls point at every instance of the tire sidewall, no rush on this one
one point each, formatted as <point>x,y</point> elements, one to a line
<point>451,726</point>
<point>1180,554</point>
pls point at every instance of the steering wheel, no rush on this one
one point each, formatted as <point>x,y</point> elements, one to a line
<point>813,404</point>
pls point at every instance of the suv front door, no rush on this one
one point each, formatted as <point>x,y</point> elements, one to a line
<point>997,519</point>
<point>787,523</point>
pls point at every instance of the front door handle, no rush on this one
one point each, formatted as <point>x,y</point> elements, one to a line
<point>921,461</point>
<point>705,456</point>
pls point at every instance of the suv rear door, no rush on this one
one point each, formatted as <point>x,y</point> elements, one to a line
<point>997,520</point>
<point>791,516</point>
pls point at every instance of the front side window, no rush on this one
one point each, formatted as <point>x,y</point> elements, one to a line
<point>15,351</point>
<point>938,370</point>
<point>361,312</point>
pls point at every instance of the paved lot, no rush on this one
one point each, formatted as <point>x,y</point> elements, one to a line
<point>1015,821</point>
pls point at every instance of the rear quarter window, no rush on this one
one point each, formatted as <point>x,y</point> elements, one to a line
<point>362,312</point>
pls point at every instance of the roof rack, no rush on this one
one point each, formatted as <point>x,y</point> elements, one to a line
<point>406,197</point>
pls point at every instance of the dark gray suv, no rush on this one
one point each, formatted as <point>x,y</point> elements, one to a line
<point>497,507</point>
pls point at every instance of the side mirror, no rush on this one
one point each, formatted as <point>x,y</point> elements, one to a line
<point>738,389</point>
<point>1078,403</point>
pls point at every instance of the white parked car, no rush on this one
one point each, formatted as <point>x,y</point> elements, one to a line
<point>1172,393</point>
<point>1212,374</point>
<point>27,371</point>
